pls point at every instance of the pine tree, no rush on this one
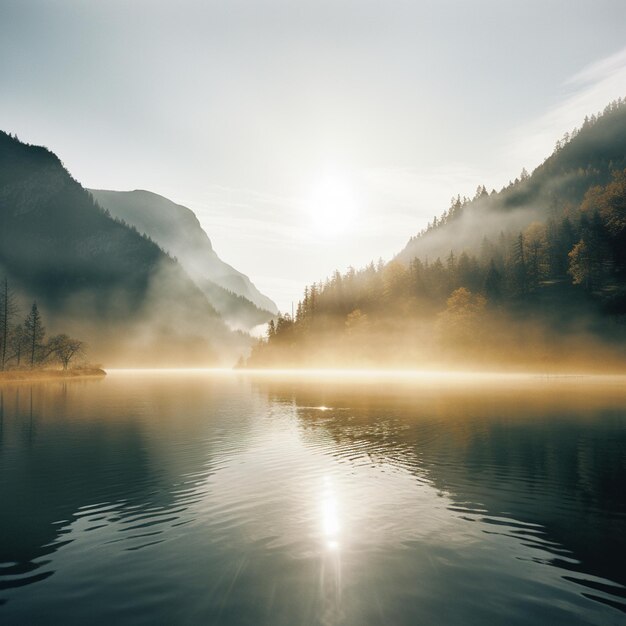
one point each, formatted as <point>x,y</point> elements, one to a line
<point>493,283</point>
<point>520,268</point>
<point>35,333</point>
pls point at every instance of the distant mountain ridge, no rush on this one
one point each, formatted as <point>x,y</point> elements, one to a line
<point>101,279</point>
<point>177,230</point>
<point>582,159</point>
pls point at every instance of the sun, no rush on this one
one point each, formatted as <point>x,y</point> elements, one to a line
<point>331,205</point>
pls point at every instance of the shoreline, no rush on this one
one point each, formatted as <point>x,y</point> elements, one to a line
<point>453,377</point>
<point>19,376</point>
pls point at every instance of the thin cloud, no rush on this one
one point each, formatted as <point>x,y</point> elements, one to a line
<point>586,92</point>
<point>606,69</point>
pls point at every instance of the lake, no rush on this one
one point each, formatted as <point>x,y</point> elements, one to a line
<point>208,497</point>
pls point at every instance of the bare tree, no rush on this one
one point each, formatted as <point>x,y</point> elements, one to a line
<point>8,309</point>
<point>18,342</point>
<point>65,348</point>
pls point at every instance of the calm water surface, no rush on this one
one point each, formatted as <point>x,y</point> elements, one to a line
<point>227,498</point>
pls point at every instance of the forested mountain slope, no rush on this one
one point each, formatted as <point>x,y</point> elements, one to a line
<point>101,279</point>
<point>177,229</point>
<point>533,277</point>
<point>581,160</point>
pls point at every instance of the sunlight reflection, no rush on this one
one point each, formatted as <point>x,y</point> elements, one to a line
<point>330,570</point>
<point>330,519</point>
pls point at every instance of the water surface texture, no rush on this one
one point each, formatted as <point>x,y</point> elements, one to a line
<point>235,498</point>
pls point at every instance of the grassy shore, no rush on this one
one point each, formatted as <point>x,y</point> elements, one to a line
<point>12,376</point>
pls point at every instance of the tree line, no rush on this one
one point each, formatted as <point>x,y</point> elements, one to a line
<point>23,344</point>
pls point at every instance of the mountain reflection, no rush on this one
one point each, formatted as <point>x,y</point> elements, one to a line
<point>75,451</point>
<point>52,466</point>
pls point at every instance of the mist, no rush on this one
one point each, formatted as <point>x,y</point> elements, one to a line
<point>458,338</point>
<point>165,326</point>
<point>99,279</point>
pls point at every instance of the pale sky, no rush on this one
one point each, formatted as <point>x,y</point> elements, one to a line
<point>260,115</point>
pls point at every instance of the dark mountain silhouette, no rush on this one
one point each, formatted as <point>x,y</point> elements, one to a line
<point>177,229</point>
<point>108,284</point>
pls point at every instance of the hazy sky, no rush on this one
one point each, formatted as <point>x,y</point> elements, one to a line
<point>252,113</point>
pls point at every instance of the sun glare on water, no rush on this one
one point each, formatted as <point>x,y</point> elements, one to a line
<point>331,205</point>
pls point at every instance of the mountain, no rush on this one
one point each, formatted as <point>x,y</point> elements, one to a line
<point>581,160</point>
<point>96,277</point>
<point>176,229</point>
<point>529,278</point>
